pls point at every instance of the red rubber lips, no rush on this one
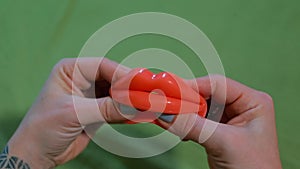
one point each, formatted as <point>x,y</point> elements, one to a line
<point>151,93</point>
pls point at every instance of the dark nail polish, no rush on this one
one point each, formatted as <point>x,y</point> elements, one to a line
<point>124,109</point>
<point>167,117</point>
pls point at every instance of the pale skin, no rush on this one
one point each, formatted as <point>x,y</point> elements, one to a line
<point>246,138</point>
<point>53,134</point>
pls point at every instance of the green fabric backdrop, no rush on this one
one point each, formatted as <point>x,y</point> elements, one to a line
<point>258,42</point>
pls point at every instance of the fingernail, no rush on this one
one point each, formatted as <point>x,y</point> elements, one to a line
<point>124,109</point>
<point>167,117</point>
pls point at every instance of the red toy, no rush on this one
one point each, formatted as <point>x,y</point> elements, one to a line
<point>152,93</point>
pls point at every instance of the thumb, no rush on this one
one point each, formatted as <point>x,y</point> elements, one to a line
<point>193,127</point>
<point>90,111</point>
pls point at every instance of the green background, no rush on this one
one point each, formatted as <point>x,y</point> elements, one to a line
<point>258,43</point>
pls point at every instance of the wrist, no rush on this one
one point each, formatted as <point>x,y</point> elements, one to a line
<point>27,151</point>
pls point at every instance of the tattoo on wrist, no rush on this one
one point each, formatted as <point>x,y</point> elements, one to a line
<point>11,162</point>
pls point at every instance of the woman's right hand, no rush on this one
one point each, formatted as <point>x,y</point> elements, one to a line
<point>246,138</point>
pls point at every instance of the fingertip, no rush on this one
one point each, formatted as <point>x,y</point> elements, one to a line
<point>113,112</point>
<point>166,122</point>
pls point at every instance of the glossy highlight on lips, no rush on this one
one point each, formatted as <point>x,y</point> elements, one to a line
<point>151,93</point>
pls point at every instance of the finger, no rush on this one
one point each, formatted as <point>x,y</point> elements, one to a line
<point>81,73</point>
<point>90,111</point>
<point>196,128</point>
<point>95,68</point>
<point>236,97</point>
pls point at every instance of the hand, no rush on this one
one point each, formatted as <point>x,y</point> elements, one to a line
<point>246,138</point>
<point>51,134</point>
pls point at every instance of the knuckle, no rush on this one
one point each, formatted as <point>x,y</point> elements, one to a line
<point>267,97</point>
<point>217,79</point>
<point>217,83</point>
<point>267,100</point>
<point>62,63</point>
<point>217,76</point>
<point>104,109</point>
<point>65,61</point>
